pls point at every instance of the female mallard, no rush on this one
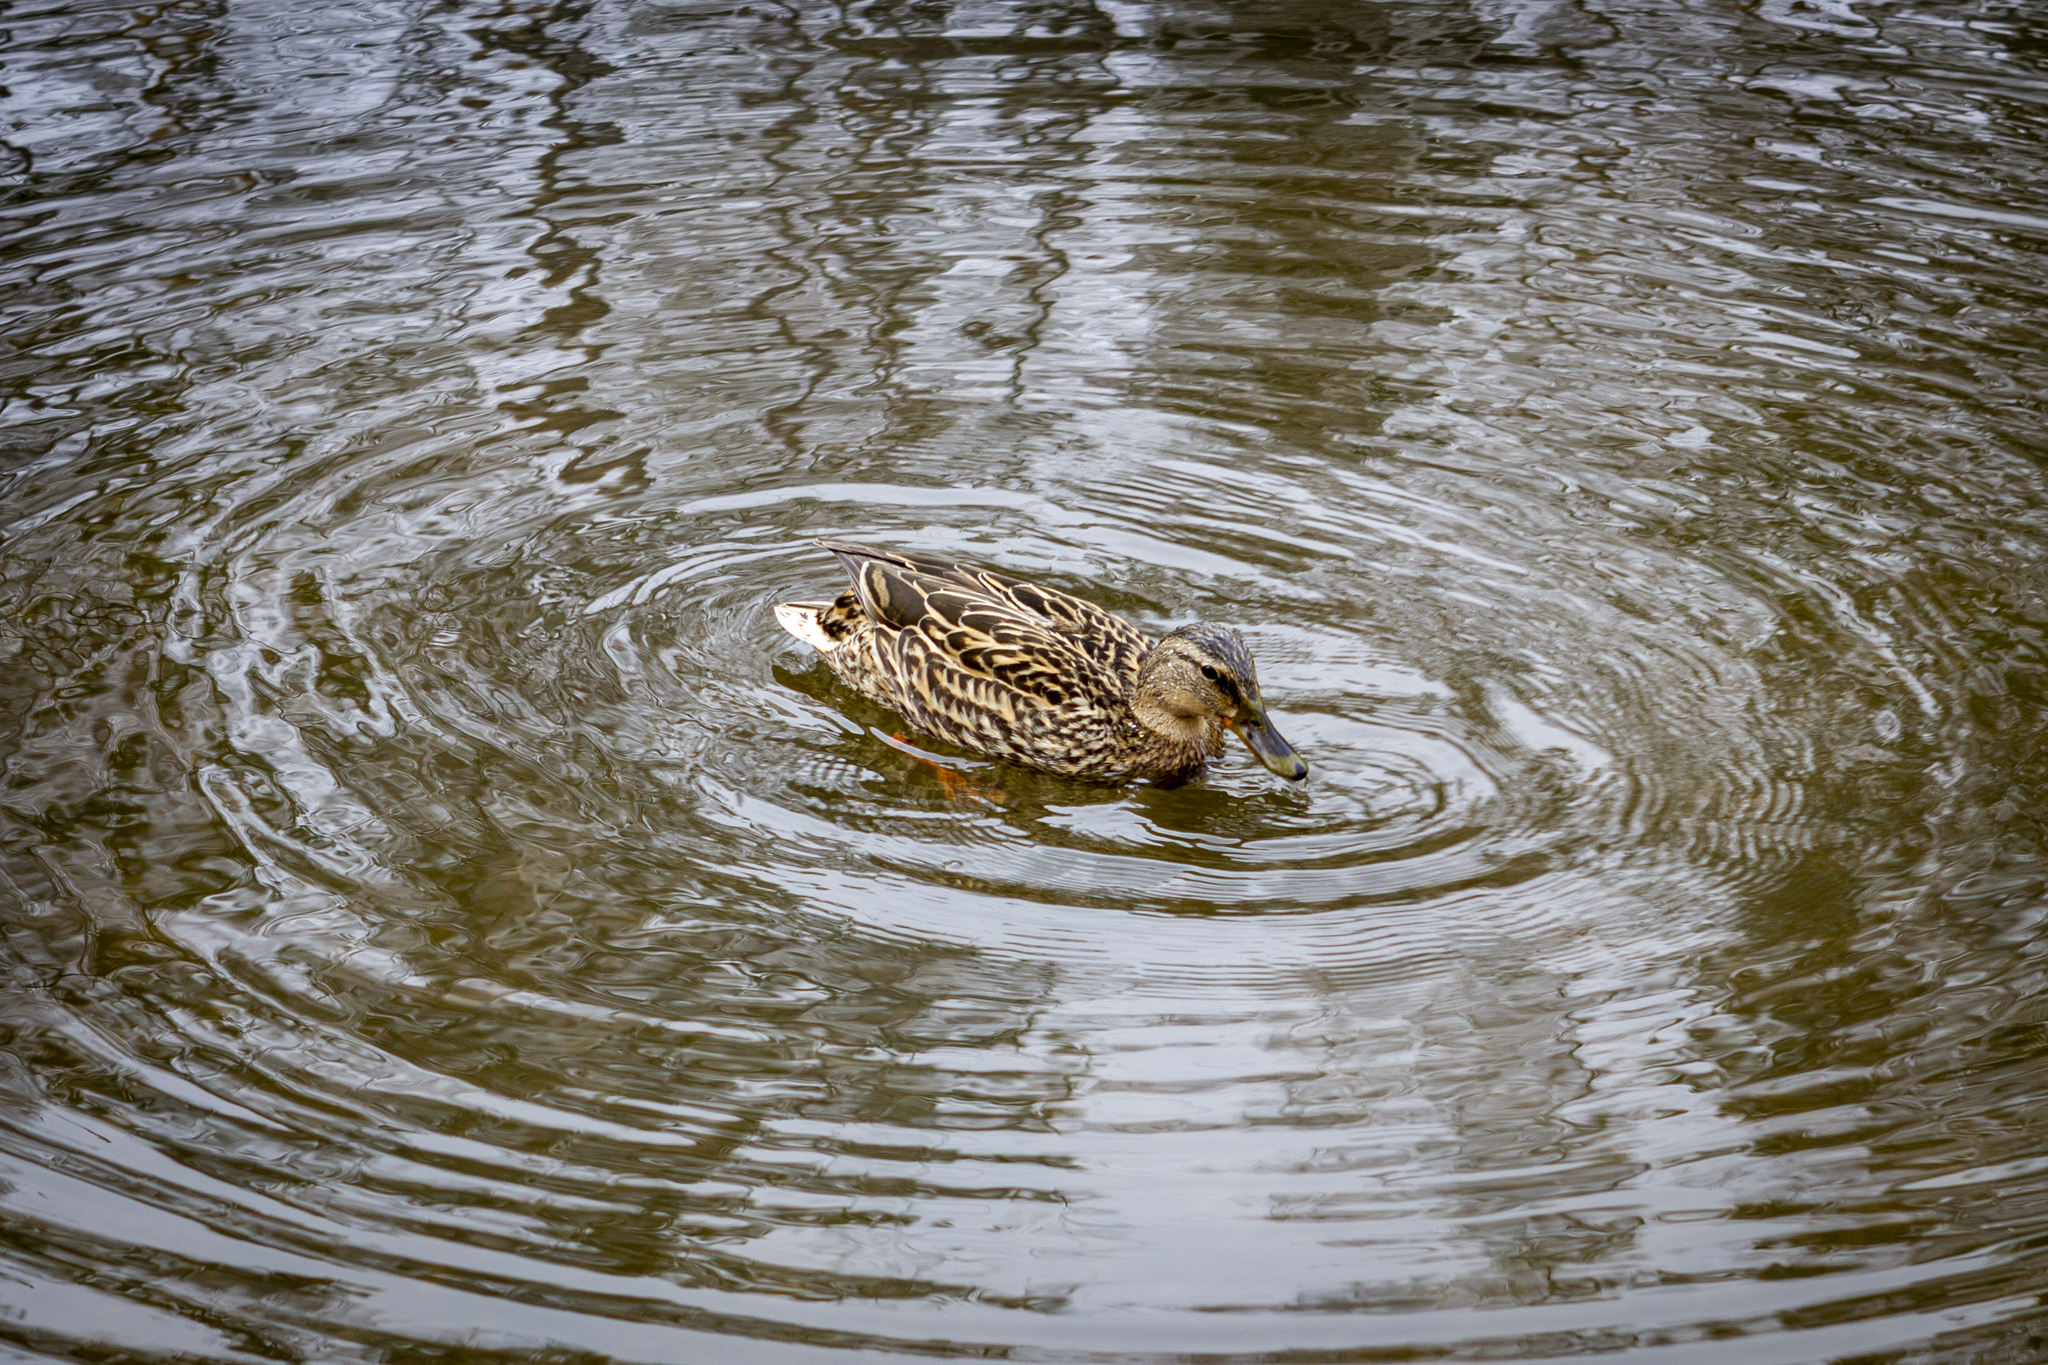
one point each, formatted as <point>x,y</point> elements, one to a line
<point>1017,671</point>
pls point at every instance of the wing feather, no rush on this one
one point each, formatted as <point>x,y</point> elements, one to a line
<point>954,638</point>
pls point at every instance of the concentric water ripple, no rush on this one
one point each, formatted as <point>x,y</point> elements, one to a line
<point>446,919</point>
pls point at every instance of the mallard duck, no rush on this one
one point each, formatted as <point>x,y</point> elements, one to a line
<point>1018,671</point>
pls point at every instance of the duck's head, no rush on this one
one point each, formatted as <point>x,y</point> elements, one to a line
<point>1200,681</point>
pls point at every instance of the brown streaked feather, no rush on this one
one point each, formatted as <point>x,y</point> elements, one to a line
<point>1044,645</point>
<point>842,616</point>
<point>1071,615</point>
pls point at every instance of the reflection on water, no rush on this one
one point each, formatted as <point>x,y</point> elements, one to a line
<point>446,919</point>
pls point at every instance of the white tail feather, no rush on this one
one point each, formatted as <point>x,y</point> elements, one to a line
<point>801,620</point>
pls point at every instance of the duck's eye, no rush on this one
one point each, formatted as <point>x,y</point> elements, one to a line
<point>1209,673</point>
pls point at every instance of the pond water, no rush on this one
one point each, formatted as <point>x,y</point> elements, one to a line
<point>446,920</point>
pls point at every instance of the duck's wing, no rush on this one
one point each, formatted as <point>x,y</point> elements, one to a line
<point>955,631</point>
<point>1109,642</point>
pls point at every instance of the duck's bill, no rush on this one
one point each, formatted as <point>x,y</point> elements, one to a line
<point>1267,746</point>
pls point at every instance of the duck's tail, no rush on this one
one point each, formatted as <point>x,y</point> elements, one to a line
<point>801,619</point>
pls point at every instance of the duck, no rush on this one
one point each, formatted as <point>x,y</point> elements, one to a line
<point>1014,670</point>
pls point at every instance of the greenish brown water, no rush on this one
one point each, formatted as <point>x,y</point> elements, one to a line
<point>446,920</point>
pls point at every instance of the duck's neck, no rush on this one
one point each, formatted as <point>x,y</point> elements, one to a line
<point>1198,735</point>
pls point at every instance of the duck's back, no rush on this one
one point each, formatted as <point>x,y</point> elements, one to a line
<point>993,664</point>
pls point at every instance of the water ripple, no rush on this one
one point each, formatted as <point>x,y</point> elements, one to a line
<point>442,913</point>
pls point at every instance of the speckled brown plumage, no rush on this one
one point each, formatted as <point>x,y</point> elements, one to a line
<point>1019,671</point>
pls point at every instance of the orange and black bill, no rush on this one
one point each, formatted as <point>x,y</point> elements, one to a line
<point>1267,746</point>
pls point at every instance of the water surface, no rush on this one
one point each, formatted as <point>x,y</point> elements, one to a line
<point>446,920</point>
